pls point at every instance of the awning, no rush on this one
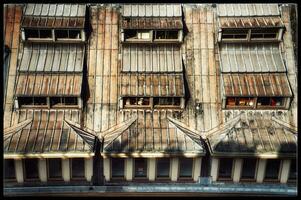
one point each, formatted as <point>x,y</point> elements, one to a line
<point>250,10</point>
<point>152,23</point>
<point>148,58</point>
<point>54,16</point>
<point>248,22</point>
<point>46,58</point>
<point>151,10</point>
<point>143,84</point>
<point>256,84</point>
<point>251,58</point>
<point>254,135</point>
<point>49,85</point>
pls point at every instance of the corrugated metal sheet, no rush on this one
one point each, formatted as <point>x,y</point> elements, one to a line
<point>261,84</point>
<point>52,58</point>
<point>152,10</point>
<point>49,85</point>
<point>255,134</point>
<point>248,10</point>
<point>140,138</point>
<point>171,84</point>
<point>54,15</point>
<point>47,133</point>
<point>143,58</point>
<point>254,22</point>
<point>251,58</point>
<point>152,23</point>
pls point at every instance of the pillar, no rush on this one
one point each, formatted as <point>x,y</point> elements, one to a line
<point>197,168</point>
<point>214,168</point>
<point>261,170</point>
<point>237,169</point>
<point>88,168</point>
<point>129,169</point>
<point>174,169</point>
<point>285,169</point>
<point>42,169</point>
<point>151,169</point>
<point>19,171</point>
<point>66,169</point>
<point>107,168</point>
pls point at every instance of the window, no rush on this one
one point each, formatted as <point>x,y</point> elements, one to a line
<point>225,168</point>
<point>31,170</point>
<point>38,34</point>
<point>136,35</point>
<point>54,168</point>
<point>264,34</point>
<point>67,34</point>
<point>185,170</point>
<point>136,101</point>
<point>240,101</point>
<point>272,169</point>
<point>293,170</point>
<point>32,101</point>
<point>232,34</point>
<point>270,101</point>
<point>9,169</point>
<point>78,168</point>
<point>63,101</point>
<point>166,35</point>
<point>117,165</point>
<point>249,168</point>
<point>167,101</point>
<point>163,167</point>
<point>140,167</point>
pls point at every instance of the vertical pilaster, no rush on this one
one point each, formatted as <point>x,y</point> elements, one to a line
<point>214,168</point>
<point>237,169</point>
<point>107,168</point>
<point>174,169</point>
<point>19,171</point>
<point>42,169</point>
<point>129,169</point>
<point>197,168</point>
<point>151,169</point>
<point>66,169</point>
<point>261,170</point>
<point>88,168</point>
<point>285,169</point>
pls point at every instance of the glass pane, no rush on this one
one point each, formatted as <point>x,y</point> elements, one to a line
<point>293,172</point>
<point>74,34</point>
<point>163,166</point>
<point>45,34</point>
<point>31,168</point>
<point>225,167</point>
<point>130,34</point>
<point>140,167</point>
<point>171,34</point>
<point>160,35</point>
<point>25,101</point>
<point>263,101</point>
<point>54,168</point>
<point>40,101</point>
<point>78,168</point>
<point>31,33</point>
<point>248,168</point>
<point>185,167</point>
<point>117,167</point>
<point>61,34</point>
<point>277,101</point>
<point>272,169</point>
<point>9,169</point>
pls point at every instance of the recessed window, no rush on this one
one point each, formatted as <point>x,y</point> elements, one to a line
<point>9,169</point>
<point>225,168</point>
<point>293,170</point>
<point>136,35</point>
<point>272,169</point>
<point>140,167</point>
<point>31,170</point>
<point>38,34</point>
<point>250,102</point>
<point>249,168</point>
<point>270,101</point>
<point>136,101</point>
<point>234,34</point>
<point>67,34</point>
<point>166,35</point>
<point>117,167</point>
<point>185,165</point>
<point>163,167</point>
<point>167,101</point>
<point>240,101</point>
<point>63,101</point>
<point>54,168</point>
<point>264,34</point>
<point>32,101</point>
<point>78,168</point>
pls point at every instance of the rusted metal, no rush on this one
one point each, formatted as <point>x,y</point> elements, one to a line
<point>152,10</point>
<point>249,10</point>
<point>246,22</point>
<point>152,23</point>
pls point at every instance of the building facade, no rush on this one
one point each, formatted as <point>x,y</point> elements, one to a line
<point>195,99</point>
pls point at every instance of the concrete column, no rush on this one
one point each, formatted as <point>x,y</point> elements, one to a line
<point>174,169</point>
<point>261,170</point>
<point>66,169</point>
<point>237,169</point>
<point>197,168</point>
<point>42,169</point>
<point>19,171</point>
<point>107,168</point>
<point>151,169</point>
<point>88,168</point>
<point>285,169</point>
<point>129,169</point>
<point>214,168</point>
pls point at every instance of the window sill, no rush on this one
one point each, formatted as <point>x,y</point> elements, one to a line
<point>248,180</point>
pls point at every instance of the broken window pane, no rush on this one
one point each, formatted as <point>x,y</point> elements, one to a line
<point>55,101</point>
<point>69,100</point>
<point>23,101</point>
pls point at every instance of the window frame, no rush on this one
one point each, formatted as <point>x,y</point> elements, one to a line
<point>181,177</point>
<point>111,169</point>
<point>68,39</point>
<point>247,179</point>
<point>9,179</point>
<point>30,179</point>
<point>146,168</point>
<point>38,39</point>
<point>62,104</point>
<point>219,178</point>
<point>33,105</point>
<point>138,32</point>
<point>49,178</point>
<point>265,179</point>
<point>77,178</point>
<point>152,105</point>
<point>165,34</point>
<point>159,177</point>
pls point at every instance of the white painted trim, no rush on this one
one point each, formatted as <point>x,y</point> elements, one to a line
<point>261,170</point>
<point>129,169</point>
<point>49,155</point>
<point>42,166</point>
<point>151,169</point>
<point>88,168</point>
<point>107,168</point>
<point>19,170</point>
<point>151,155</point>
<point>174,169</point>
<point>66,174</point>
<point>285,170</point>
<point>197,162</point>
<point>237,169</point>
<point>214,168</point>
